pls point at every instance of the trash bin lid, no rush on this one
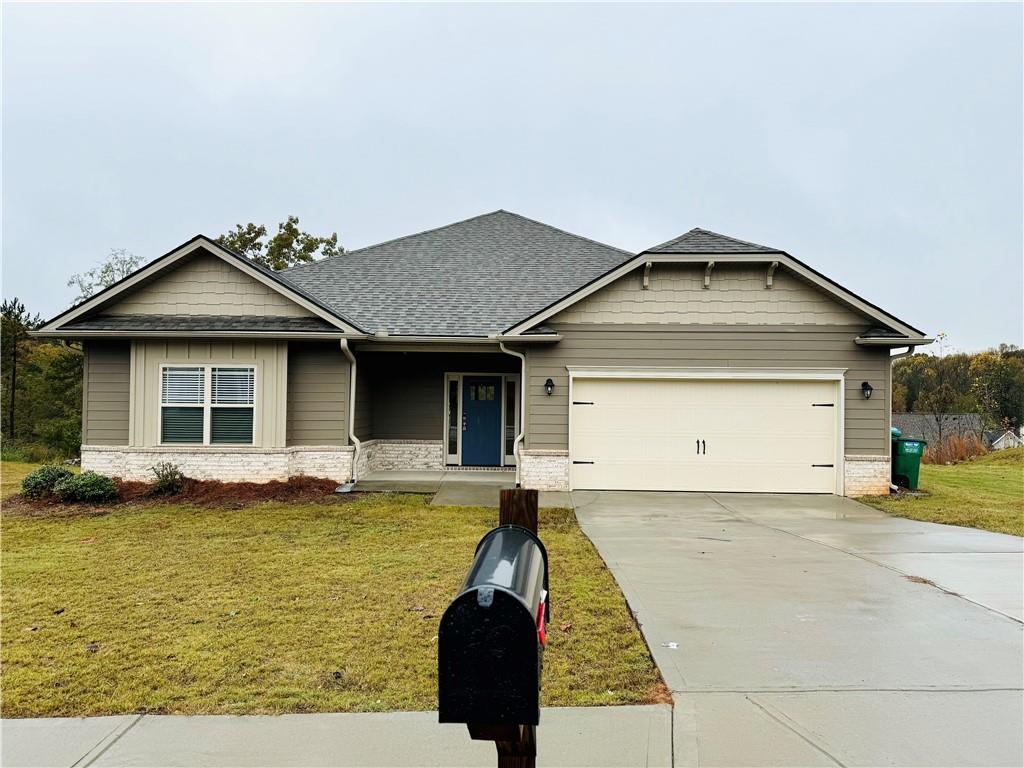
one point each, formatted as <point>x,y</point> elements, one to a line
<point>895,432</point>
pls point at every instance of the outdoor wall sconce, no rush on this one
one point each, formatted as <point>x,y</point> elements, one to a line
<point>866,390</point>
<point>549,386</point>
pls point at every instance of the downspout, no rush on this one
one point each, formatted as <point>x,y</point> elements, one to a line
<point>517,446</point>
<point>352,407</point>
<point>893,359</point>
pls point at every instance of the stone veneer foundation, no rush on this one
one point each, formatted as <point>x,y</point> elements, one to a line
<point>545,470</point>
<point>866,475</point>
<point>409,455</point>
<point>234,464</point>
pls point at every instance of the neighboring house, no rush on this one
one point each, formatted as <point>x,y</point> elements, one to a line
<point>935,426</point>
<point>998,439</point>
<point>704,363</point>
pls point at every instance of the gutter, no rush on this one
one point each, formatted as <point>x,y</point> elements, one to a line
<point>517,446</point>
<point>352,407</point>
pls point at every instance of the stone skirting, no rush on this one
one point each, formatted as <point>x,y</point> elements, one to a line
<point>866,475</point>
<point>411,455</point>
<point>545,470</point>
<point>236,464</point>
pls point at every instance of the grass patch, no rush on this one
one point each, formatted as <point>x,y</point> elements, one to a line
<point>316,607</point>
<point>985,493</point>
<point>13,472</point>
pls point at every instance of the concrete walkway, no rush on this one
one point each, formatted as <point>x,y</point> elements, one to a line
<point>806,630</point>
<point>455,488</point>
<point>590,736</point>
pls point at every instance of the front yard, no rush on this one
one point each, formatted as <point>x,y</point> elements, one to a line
<point>278,607</point>
<point>983,493</point>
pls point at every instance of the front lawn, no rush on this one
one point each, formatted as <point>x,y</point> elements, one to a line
<point>983,493</point>
<point>279,607</point>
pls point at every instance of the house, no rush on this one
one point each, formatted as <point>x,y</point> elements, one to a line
<point>935,426</point>
<point>998,439</point>
<point>704,363</point>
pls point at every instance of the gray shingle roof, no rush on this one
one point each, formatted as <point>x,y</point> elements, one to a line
<point>704,241</point>
<point>199,323</point>
<point>926,426</point>
<point>471,278</point>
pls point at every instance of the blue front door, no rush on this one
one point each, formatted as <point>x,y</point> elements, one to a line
<point>481,421</point>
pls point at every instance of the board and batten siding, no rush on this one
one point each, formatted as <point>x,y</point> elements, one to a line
<point>269,358</point>
<point>106,383</point>
<point>318,376</point>
<point>206,285</point>
<point>657,345</point>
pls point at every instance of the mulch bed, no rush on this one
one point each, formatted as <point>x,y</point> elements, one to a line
<point>202,493</point>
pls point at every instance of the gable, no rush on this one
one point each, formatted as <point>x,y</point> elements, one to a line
<point>203,284</point>
<point>737,295</point>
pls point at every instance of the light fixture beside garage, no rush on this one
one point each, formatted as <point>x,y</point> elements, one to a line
<point>866,390</point>
<point>549,386</point>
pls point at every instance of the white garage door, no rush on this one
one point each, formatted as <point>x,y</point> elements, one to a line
<point>704,435</point>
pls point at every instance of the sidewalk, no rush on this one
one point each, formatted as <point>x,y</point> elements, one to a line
<point>571,736</point>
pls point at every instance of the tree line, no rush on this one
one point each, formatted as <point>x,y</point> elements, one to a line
<point>41,379</point>
<point>989,383</point>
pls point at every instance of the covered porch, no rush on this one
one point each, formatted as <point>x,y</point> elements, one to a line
<point>436,412</point>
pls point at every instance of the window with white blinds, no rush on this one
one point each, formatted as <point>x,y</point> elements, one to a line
<point>207,405</point>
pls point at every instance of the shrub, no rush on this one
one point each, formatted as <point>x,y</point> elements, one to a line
<point>88,486</point>
<point>34,453</point>
<point>169,479</point>
<point>41,482</point>
<point>954,448</point>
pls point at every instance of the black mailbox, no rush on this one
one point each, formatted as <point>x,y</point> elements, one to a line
<point>491,637</point>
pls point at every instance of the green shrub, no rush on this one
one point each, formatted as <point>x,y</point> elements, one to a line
<point>41,482</point>
<point>88,486</point>
<point>169,479</point>
<point>33,453</point>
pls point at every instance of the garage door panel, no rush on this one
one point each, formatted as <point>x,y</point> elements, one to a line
<point>754,436</point>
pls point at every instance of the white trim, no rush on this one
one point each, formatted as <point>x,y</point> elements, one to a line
<point>795,374</point>
<point>126,334</point>
<point>784,259</point>
<point>163,262</point>
<point>457,376</point>
<point>837,375</point>
<point>207,405</point>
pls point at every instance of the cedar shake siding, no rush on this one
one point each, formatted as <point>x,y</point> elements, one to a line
<point>318,376</point>
<point>206,285</point>
<point>105,392</point>
<point>736,296</point>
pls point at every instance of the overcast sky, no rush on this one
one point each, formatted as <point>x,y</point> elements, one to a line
<point>879,143</point>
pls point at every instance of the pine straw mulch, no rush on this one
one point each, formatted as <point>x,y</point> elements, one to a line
<point>199,493</point>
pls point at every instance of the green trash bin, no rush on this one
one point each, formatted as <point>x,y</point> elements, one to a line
<point>906,461</point>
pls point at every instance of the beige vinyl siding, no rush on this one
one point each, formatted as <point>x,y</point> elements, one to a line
<point>406,390</point>
<point>659,346</point>
<point>105,392</point>
<point>317,394</point>
<point>206,285</point>
<point>737,295</point>
<point>269,358</point>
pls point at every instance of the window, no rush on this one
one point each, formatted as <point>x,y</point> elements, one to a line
<point>511,422</point>
<point>207,405</point>
<point>453,418</point>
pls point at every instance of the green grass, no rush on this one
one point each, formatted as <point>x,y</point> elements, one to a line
<point>279,608</point>
<point>13,472</point>
<point>983,493</point>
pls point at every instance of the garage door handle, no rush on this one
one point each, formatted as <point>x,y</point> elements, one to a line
<point>583,462</point>
<point>582,402</point>
<point>822,465</point>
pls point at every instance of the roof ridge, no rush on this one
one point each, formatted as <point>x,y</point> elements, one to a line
<point>395,240</point>
<point>672,241</point>
<point>630,254</point>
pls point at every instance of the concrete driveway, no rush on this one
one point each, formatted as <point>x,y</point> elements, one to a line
<point>812,630</point>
